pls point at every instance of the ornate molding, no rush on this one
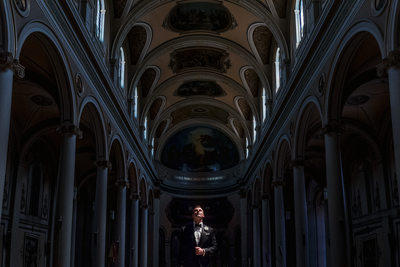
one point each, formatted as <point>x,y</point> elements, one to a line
<point>104,164</point>
<point>7,61</point>
<point>69,129</point>
<point>392,60</point>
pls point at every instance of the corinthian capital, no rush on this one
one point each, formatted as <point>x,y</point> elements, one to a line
<point>392,60</point>
<point>7,61</point>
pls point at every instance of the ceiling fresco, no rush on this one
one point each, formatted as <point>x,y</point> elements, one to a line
<point>199,149</point>
<point>206,88</point>
<point>203,57</point>
<point>192,16</point>
<point>200,62</point>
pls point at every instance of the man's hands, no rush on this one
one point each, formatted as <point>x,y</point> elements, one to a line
<point>200,251</point>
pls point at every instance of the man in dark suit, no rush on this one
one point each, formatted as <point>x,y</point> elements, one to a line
<point>198,241</point>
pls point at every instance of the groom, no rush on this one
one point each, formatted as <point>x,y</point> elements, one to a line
<point>198,241</point>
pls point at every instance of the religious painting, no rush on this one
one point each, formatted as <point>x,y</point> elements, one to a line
<point>199,57</point>
<point>206,16</point>
<point>199,149</point>
<point>206,88</point>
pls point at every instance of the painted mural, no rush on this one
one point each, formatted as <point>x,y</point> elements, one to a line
<point>200,57</point>
<point>199,16</point>
<point>199,149</point>
<point>206,88</point>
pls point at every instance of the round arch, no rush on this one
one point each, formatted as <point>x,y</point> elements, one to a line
<point>92,107</point>
<point>55,51</point>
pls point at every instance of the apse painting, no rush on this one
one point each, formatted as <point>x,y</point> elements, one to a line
<point>206,88</point>
<point>199,149</point>
<point>199,16</point>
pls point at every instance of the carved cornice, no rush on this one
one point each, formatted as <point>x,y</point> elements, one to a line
<point>104,164</point>
<point>69,129</point>
<point>7,61</point>
<point>391,61</point>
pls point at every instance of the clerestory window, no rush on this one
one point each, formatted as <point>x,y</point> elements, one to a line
<point>299,19</point>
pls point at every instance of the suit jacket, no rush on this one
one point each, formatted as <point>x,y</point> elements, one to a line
<point>208,242</point>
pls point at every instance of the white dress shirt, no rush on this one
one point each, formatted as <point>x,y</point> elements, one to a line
<point>197,232</point>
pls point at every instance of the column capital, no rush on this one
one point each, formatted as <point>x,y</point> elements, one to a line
<point>265,196</point>
<point>122,182</point>
<point>298,162</point>
<point>104,164</point>
<point>134,196</point>
<point>242,193</point>
<point>332,127</point>
<point>144,206</point>
<point>392,60</point>
<point>7,61</point>
<point>157,193</point>
<point>278,182</point>
<point>69,129</point>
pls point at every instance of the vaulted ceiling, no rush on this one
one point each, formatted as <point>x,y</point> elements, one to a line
<point>201,70</point>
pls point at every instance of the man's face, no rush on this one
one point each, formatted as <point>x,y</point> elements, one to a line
<point>198,213</point>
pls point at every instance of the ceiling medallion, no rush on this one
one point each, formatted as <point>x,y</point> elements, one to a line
<point>200,57</point>
<point>202,16</point>
<point>357,100</point>
<point>199,110</point>
<point>23,7</point>
<point>205,88</point>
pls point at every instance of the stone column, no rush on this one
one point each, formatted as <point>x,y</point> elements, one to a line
<point>144,213</point>
<point>266,233</point>
<point>156,228</point>
<point>121,219</point>
<point>256,237</point>
<point>337,217</point>
<point>391,64</point>
<point>66,191</point>
<point>243,223</point>
<point>101,211</point>
<point>301,219</point>
<point>280,238</point>
<point>7,67</point>
<point>134,249</point>
<point>73,232</point>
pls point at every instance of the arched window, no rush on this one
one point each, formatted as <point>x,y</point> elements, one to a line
<point>152,147</point>
<point>247,148</point>
<point>121,68</point>
<point>264,104</point>
<point>299,17</point>
<point>135,103</point>
<point>254,129</point>
<point>100,19</point>
<point>145,129</point>
<point>277,69</point>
